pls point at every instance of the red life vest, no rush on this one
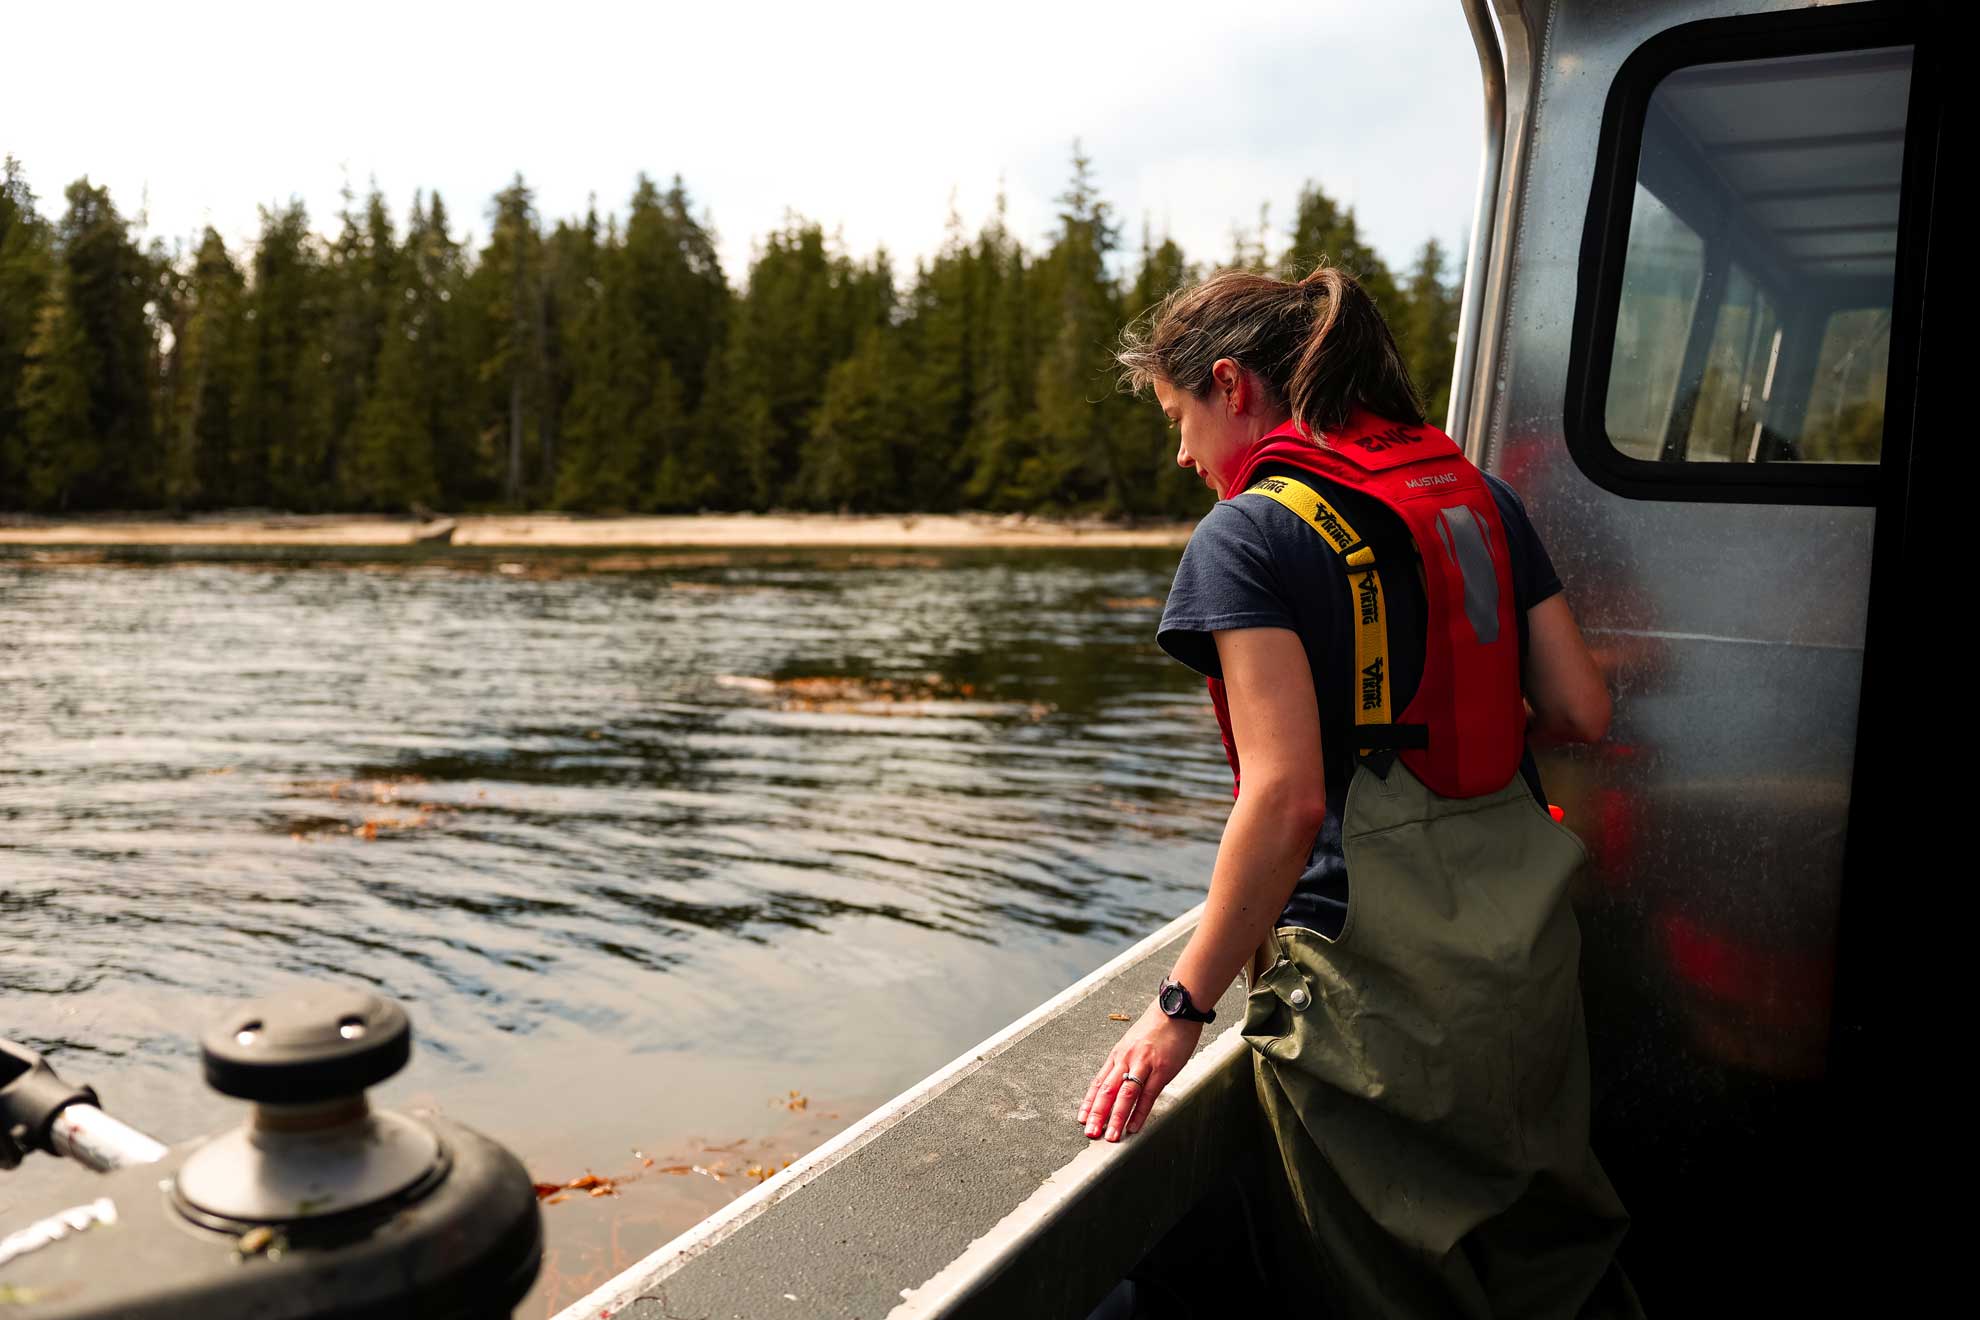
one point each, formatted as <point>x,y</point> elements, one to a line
<point>1467,716</point>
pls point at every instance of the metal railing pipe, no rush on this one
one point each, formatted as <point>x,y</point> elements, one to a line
<point>1518,47</point>
<point>1492,72</point>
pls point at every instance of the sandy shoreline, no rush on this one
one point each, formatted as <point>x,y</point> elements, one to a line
<point>554,531</point>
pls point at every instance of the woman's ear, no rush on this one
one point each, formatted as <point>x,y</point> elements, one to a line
<point>1231,383</point>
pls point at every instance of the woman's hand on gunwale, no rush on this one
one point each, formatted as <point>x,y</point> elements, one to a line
<point>1152,1051</point>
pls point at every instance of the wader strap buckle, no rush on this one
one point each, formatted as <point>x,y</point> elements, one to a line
<point>1380,743</point>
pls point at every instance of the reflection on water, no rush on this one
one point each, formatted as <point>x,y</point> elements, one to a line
<point>645,843</point>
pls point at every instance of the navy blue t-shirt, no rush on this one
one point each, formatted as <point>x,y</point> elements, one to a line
<point>1253,563</point>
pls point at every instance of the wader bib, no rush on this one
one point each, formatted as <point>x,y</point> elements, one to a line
<point>1425,1074</point>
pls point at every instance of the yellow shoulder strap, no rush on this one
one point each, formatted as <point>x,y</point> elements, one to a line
<point>1371,633</point>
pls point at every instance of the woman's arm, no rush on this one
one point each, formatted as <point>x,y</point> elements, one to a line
<point>1276,722</point>
<point>1563,684</point>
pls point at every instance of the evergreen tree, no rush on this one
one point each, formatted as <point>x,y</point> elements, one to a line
<point>1075,460</point>
<point>436,272</point>
<point>1162,271</point>
<point>708,475</point>
<point>1323,230</point>
<point>600,467</point>
<point>938,370</point>
<point>803,313</point>
<point>285,415</point>
<point>698,403</point>
<point>1145,433</point>
<point>608,372</point>
<point>1007,377</point>
<point>391,452</point>
<point>26,267</point>
<point>60,445</point>
<point>678,303</point>
<point>941,352</point>
<point>571,284</point>
<point>680,297</point>
<point>1426,331</point>
<point>105,282</point>
<point>863,442</point>
<point>1251,249</point>
<point>207,374</point>
<point>171,312</point>
<point>665,439</point>
<point>509,293</point>
<point>362,284</point>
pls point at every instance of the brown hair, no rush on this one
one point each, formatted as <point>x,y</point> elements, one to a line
<point>1318,345</point>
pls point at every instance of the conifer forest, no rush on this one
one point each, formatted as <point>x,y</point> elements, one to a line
<point>611,366</point>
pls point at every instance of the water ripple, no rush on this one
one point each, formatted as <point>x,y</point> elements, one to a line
<point>530,805</point>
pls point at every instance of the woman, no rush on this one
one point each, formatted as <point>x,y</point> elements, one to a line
<point>1380,626</point>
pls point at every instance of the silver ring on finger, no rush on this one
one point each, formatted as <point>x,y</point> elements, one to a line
<point>1130,1078</point>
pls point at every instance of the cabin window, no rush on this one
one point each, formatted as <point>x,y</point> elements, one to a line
<point>1660,290</point>
<point>1753,322</point>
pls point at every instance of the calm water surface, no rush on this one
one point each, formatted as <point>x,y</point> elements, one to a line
<point>639,890</point>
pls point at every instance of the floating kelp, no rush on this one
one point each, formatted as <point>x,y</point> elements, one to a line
<point>760,1167</point>
<point>66,558</point>
<point>382,790</point>
<point>926,694</point>
<point>719,588</point>
<point>649,563</point>
<point>893,560</point>
<point>399,791</point>
<point>587,1182</point>
<point>558,566</point>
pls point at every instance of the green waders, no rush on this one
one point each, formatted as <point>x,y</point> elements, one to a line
<point>1426,1074</point>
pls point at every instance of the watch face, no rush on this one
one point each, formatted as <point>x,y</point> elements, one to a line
<point>1172,999</point>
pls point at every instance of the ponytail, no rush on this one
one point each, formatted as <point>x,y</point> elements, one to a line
<point>1319,346</point>
<point>1349,358</point>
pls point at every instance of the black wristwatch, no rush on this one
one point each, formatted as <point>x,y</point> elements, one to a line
<point>1175,1002</point>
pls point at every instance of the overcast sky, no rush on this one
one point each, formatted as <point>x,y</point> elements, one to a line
<point>866,117</point>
